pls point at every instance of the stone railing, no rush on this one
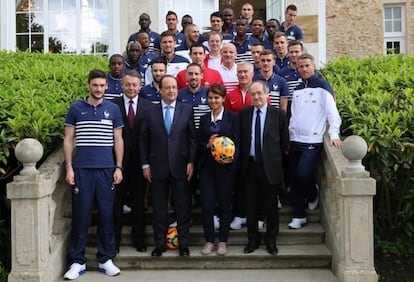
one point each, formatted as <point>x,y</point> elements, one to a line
<point>39,229</point>
<point>40,199</point>
<point>346,198</point>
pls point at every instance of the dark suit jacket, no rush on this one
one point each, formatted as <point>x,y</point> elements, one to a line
<point>168,153</point>
<point>275,141</point>
<point>229,126</point>
<point>130,135</point>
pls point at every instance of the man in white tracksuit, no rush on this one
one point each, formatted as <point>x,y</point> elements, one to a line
<point>313,104</point>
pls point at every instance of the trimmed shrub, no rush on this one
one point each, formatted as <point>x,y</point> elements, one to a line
<point>375,98</point>
<point>35,93</point>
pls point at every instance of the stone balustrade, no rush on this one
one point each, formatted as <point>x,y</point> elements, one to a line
<point>346,203</point>
<point>40,200</point>
<point>39,229</point>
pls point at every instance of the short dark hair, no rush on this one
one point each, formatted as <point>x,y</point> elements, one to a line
<point>116,56</point>
<point>159,60</point>
<point>218,89</point>
<point>306,56</point>
<point>291,7</point>
<point>216,14</point>
<point>166,34</point>
<point>258,43</point>
<point>266,52</point>
<point>169,13</point>
<point>294,43</point>
<point>96,73</point>
<point>259,19</point>
<point>197,45</point>
<point>166,76</point>
<point>194,65</point>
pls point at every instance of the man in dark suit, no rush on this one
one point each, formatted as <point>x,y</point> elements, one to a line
<point>132,109</point>
<point>168,149</point>
<point>264,139</point>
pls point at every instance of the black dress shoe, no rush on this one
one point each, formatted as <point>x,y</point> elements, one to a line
<point>140,247</point>
<point>184,251</point>
<point>251,247</point>
<point>271,248</point>
<point>157,252</point>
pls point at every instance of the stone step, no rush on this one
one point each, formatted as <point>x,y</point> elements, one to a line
<point>211,275</point>
<point>313,233</point>
<point>289,256</point>
<point>285,215</point>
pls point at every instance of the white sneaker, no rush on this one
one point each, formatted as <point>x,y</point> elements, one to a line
<point>216,222</point>
<point>238,223</point>
<point>108,268</point>
<point>126,209</point>
<point>260,224</point>
<point>298,223</point>
<point>279,203</point>
<point>314,204</point>
<point>75,270</point>
<point>174,224</point>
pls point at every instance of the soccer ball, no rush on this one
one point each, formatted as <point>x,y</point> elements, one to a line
<point>222,148</point>
<point>172,238</point>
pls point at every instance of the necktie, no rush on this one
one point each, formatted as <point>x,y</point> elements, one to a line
<point>167,119</point>
<point>257,140</point>
<point>131,114</point>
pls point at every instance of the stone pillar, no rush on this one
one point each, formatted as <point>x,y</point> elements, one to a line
<point>29,195</point>
<point>356,191</point>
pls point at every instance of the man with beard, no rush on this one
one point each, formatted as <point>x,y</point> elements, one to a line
<point>93,126</point>
<point>195,94</point>
<point>116,66</point>
<point>146,56</point>
<point>192,35</point>
<point>152,91</point>
<point>175,63</point>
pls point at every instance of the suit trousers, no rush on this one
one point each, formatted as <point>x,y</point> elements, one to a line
<point>135,183</point>
<point>256,185</point>
<point>216,186</point>
<point>91,184</point>
<point>303,159</point>
<point>181,190</point>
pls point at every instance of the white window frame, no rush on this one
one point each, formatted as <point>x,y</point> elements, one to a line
<point>8,28</point>
<point>399,36</point>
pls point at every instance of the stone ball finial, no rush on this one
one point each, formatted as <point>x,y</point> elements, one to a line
<point>354,148</point>
<point>29,151</point>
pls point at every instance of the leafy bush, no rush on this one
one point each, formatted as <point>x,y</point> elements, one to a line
<point>35,92</point>
<point>375,98</point>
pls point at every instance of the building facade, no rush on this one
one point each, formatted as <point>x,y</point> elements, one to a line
<point>332,28</point>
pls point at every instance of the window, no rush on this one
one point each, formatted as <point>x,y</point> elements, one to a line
<point>63,26</point>
<point>394,29</point>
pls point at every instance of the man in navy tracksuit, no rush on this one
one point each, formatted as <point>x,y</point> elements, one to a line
<point>312,105</point>
<point>94,125</point>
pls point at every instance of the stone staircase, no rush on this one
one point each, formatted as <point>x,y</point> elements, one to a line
<point>302,248</point>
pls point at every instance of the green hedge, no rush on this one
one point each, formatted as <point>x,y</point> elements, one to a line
<point>35,92</point>
<point>375,97</point>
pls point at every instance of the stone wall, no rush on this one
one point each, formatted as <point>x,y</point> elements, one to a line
<point>351,31</point>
